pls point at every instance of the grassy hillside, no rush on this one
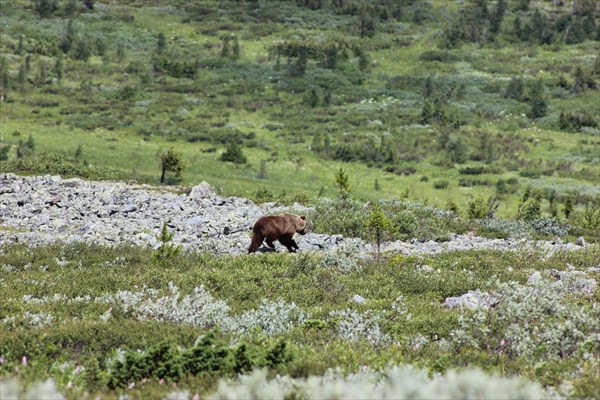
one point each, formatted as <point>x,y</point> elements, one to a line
<point>306,88</point>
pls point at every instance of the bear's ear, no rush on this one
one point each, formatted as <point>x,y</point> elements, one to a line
<point>303,217</point>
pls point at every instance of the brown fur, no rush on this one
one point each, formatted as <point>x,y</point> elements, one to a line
<point>280,227</point>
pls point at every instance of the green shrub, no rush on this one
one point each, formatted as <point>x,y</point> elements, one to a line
<point>61,164</point>
<point>166,251</point>
<point>234,154</point>
<point>441,184</point>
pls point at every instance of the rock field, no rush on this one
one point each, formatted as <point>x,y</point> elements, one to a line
<point>43,209</point>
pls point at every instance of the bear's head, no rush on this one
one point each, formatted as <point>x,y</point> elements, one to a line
<point>301,224</point>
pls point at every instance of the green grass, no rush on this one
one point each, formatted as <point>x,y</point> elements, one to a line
<point>76,271</point>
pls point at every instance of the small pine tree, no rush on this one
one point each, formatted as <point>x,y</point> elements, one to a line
<point>515,89</point>
<point>166,250</point>
<point>120,52</point>
<point>311,98</point>
<point>66,43</point>
<point>497,16</point>
<point>341,181</point>
<point>241,361</point>
<point>298,69</point>
<point>27,148</point>
<point>477,208</point>
<point>20,46</point>
<point>225,50</point>
<point>22,76</point>
<point>429,88</point>
<point>4,149</point>
<point>70,8</point>
<point>58,69</point>
<point>579,84</point>
<point>5,84</point>
<point>262,174</point>
<point>427,113</point>
<point>457,151</point>
<point>530,207</point>
<point>45,8</point>
<point>537,103</point>
<point>234,154</point>
<point>363,61</point>
<point>161,43</point>
<point>170,161</point>
<point>378,223</point>
<point>569,206</point>
<point>78,152</point>
<point>235,51</point>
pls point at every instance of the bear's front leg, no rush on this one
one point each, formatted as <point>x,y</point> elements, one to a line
<point>288,242</point>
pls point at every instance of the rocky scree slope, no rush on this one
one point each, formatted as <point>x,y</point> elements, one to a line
<point>39,210</point>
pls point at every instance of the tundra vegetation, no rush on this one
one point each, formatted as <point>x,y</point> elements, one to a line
<point>393,120</point>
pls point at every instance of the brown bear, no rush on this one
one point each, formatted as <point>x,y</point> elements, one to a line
<point>280,227</point>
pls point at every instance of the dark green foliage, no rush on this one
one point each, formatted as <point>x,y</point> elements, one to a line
<point>378,224</point>
<point>515,89</point>
<point>342,183</point>
<point>82,49</point>
<point>233,154</point>
<point>279,354</point>
<point>507,186</point>
<point>66,43</point>
<point>429,88</point>
<point>61,164</point>
<point>58,69</point>
<point>94,376</point>
<point>311,98</point>
<point>471,25</point>
<point>172,163</point>
<point>172,66</point>
<point>45,8</point>
<point>479,208</point>
<point>427,113</point>
<point>71,8</point>
<point>241,360</point>
<point>569,206</point>
<point>161,43</point>
<point>25,149</point>
<point>580,81</point>
<point>497,15</point>
<point>166,251</point>
<point>401,220</point>
<point>537,102</point>
<point>530,207</point>
<point>366,24</point>
<point>574,121</point>
<point>477,170</point>
<point>160,361</point>
<point>210,355</point>
<point>457,151</point>
<point>441,184</point>
<point>4,150</point>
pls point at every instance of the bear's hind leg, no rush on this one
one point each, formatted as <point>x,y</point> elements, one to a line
<point>256,242</point>
<point>270,243</point>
